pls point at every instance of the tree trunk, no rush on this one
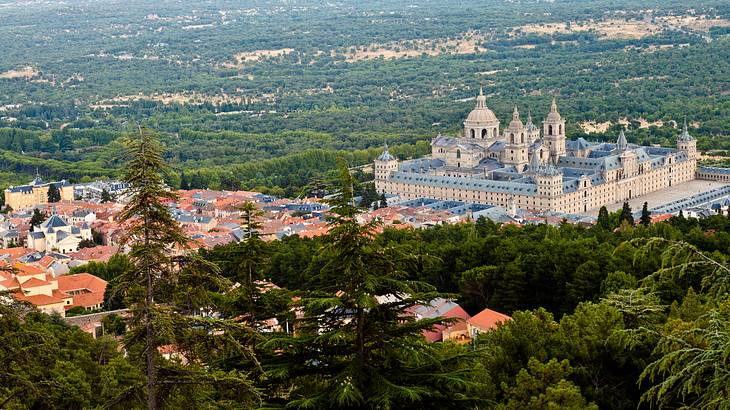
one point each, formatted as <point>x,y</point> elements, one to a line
<point>151,345</point>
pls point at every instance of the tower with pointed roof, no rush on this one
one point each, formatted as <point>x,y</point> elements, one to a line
<point>516,143</point>
<point>481,125</point>
<point>535,162</point>
<point>384,165</point>
<point>687,143</point>
<point>554,132</point>
<point>621,143</point>
<point>533,132</point>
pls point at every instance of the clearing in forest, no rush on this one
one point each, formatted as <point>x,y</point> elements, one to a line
<point>26,72</point>
<point>615,29</point>
<point>255,56</point>
<point>466,43</point>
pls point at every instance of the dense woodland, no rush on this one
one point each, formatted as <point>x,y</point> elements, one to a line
<point>275,122</point>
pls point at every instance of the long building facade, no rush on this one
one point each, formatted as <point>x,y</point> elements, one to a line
<point>36,193</point>
<point>538,170</point>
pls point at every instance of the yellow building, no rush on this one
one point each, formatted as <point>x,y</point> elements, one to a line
<point>36,193</point>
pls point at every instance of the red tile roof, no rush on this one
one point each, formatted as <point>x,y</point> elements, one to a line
<point>92,289</point>
<point>100,253</point>
<point>15,253</point>
<point>488,319</point>
<point>11,283</point>
<point>34,283</point>
<point>27,270</point>
<point>42,300</point>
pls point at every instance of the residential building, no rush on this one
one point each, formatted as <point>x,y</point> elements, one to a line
<point>485,321</point>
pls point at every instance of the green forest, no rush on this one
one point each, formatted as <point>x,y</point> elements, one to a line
<point>261,96</point>
<point>616,315</point>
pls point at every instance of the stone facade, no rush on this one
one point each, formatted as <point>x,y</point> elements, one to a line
<point>539,172</point>
<point>35,193</point>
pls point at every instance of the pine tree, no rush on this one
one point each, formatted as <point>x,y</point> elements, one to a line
<point>37,218</point>
<point>166,287</point>
<point>604,220</point>
<point>383,200</point>
<point>105,196</point>
<point>357,345</point>
<point>54,195</point>
<point>645,215</point>
<point>626,215</point>
<point>184,181</point>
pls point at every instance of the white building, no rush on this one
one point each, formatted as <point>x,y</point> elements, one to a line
<point>55,234</point>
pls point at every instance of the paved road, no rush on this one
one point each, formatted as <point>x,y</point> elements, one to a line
<point>659,198</point>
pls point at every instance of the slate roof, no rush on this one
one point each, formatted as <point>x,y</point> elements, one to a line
<point>465,183</point>
<point>54,221</point>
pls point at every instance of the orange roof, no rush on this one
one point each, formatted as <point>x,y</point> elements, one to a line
<point>27,270</point>
<point>97,253</point>
<point>11,283</point>
<point>46,261</point>
<point>488,319</point>
<point>34,283</point>
<point>15,253</point>
<point>42,300</point>
<point>92,288</point>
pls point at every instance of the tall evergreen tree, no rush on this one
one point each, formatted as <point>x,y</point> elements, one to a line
<point>245,260</point>
<point>357,345</point>
<point>604,220</point>
<point>37,218</point>
<point>167,288</point>
<point>105,196</point>
<point>626,215</point>
<point>645,215</point>
<point>54,195</point>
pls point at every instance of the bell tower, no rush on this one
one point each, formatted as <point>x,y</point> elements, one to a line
<point>517,143</point>
<point>554,132</point>
<point>687,143</point>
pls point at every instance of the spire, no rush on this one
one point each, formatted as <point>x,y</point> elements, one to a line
<point>622,144</point>
<point>386,156</point>
<point>553,116</point>
<point>481,98</point>
<point>529,116</point>
<point>684,136</point>
<point>515,114</point>
<point>535,160</point>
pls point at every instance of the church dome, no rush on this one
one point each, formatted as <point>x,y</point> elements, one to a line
<point>481,114</point>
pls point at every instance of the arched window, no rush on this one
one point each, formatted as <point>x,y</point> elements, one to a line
<point>472,132</point>
<point>494,133</point>
<point>560,129</point>
<point>484,133</point>
<point>511,137</point>
<point>550,130</point>
<point>522,138</point>
<point>458,153</point>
